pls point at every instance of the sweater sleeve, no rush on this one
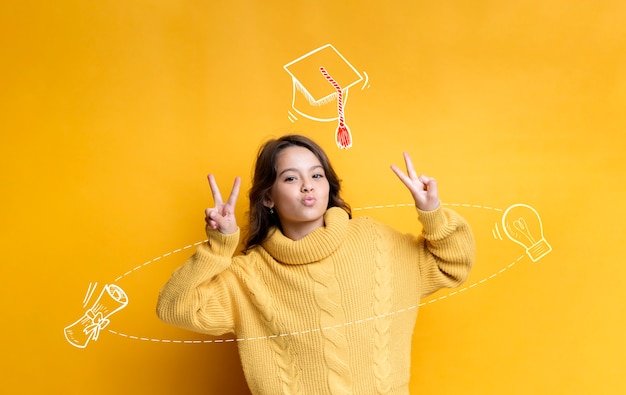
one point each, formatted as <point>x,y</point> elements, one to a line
<point>197,297</point>
<point>449,250</point>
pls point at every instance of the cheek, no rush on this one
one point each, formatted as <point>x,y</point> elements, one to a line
<point>280,194</point>
<point>327,186</point>
<point>327,191</point>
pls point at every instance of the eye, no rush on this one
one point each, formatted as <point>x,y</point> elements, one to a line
<point>318,175</point>
<point>290,179</point>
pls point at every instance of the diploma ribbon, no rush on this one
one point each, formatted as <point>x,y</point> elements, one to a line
<point>98,323</point>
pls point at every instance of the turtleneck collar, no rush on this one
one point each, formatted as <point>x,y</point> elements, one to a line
<point>315,246</point>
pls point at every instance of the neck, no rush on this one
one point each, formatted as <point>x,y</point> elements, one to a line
<point>319,243</point>
<point>300,231</point>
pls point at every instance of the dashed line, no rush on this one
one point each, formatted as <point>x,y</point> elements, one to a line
<point>153,260</point>
<point>413,205</point>
<point>315,330</point>
<point>380,206</point>
<point>356,322</point>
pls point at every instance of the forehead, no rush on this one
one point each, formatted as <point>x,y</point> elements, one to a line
<point>296,157</point>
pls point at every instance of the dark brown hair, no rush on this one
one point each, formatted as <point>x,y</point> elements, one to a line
<point>261,220</point>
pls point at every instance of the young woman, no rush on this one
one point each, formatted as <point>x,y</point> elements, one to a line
<point>320,303</point>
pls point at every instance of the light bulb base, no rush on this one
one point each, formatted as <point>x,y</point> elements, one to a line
<point>538,250</point>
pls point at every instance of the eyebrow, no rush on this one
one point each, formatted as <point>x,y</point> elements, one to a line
<point>296,170</point>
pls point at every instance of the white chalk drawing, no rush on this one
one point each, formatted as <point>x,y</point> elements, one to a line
<point>521,224</point>
<point>111,300</point>
<point>320,78</point>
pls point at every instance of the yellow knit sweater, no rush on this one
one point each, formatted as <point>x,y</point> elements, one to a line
<point>332,313</point>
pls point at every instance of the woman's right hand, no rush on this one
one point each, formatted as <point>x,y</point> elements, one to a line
<point>222,216</point>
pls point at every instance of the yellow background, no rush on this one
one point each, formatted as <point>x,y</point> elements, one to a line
<point>113,112</point>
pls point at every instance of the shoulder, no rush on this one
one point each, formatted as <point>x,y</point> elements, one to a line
<point>244,266</point>
<point>368,221</point>
<point>371,225</point>
<point>384,233</point>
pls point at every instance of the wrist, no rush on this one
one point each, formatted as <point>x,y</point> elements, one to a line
<point>428,206</point>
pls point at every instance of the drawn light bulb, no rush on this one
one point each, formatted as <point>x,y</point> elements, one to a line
<point>522,225</point>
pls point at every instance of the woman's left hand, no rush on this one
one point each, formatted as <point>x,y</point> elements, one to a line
<point>423,188</point>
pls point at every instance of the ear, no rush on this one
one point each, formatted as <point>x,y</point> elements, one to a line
<point>267,202</point>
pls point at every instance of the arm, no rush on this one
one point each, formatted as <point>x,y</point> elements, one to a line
<point>448,244</point>
<point>448,252</point>
<point>197,297</point>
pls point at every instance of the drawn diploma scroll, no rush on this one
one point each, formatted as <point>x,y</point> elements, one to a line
<point>88,327</point>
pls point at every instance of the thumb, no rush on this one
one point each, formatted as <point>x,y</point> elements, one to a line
<point>431,185</point>
<point>209,217</point>
<point>225,224</point>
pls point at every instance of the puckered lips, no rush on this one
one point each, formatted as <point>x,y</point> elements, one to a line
<point>309,200</point>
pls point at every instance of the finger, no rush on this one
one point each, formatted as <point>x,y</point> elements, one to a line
<point>425,180</point>
<point>403,177</point>
<point>410,184</point>
<point>217,196</point>
<point>428,182</point>
<point>397,170</point>
<point>209,214</point>
<point>431,185</point>
<point>220,222</point>
<point>409,166</point>
<point>234,193</point>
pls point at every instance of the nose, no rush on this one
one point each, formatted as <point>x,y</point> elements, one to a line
<point>306,187</point>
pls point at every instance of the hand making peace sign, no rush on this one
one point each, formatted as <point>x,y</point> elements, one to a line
<point>222,216</point>
<point>423,188</point>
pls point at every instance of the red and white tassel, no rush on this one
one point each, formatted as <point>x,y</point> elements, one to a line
<point>343,137</point>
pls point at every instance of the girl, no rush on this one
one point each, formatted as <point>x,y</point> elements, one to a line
<point>320,303</point>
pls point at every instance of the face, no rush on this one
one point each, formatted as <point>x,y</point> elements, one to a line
<point>300,193</point>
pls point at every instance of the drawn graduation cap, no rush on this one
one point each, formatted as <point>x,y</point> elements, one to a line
<point>321,80</point>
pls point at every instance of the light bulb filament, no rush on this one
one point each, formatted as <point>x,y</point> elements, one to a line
<point>520,225</point>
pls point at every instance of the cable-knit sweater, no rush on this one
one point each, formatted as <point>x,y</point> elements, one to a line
<point>332,313</point>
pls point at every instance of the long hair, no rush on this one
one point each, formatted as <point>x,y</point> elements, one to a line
<point>261,220</point>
